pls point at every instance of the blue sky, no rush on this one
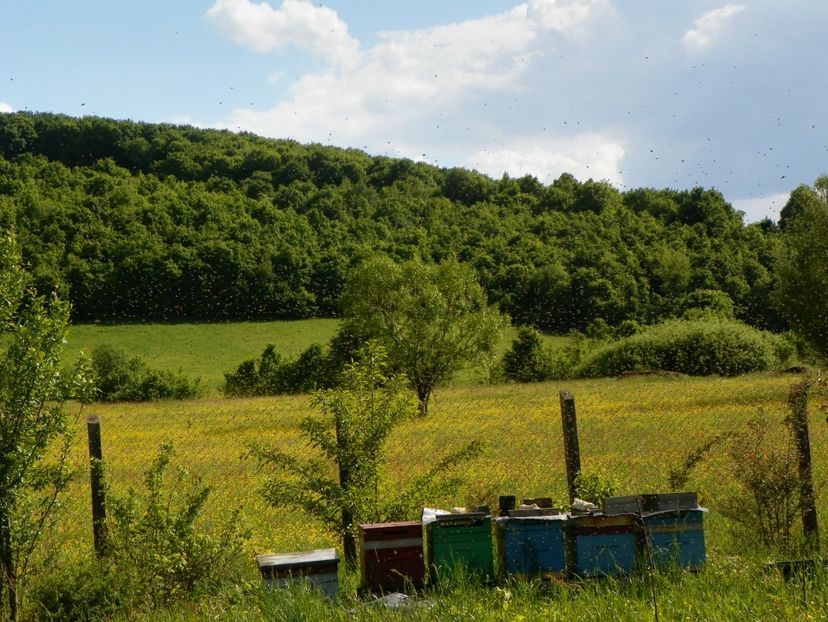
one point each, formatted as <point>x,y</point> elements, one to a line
<point>655,93</point>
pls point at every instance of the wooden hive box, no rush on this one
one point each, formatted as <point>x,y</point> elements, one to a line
<point>532,546</point>
<point>391,556</point>
<point>319,567</point>
<point>675,537</point>
<point>602,545</point>
<point>460,540</point>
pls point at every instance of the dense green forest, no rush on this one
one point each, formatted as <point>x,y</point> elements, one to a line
<point>136,221</point>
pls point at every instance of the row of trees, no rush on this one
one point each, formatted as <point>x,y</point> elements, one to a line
<point>137,221</point>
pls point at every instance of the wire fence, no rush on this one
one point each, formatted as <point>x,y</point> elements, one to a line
<point>633,433</point>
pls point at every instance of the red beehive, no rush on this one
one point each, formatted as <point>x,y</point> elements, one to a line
<point>391,556</point>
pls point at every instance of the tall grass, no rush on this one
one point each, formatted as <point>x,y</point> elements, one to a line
<point>636,428</point>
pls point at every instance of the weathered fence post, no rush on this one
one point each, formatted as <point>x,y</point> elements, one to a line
<point>93,429</point>
<point>572,453</point>
<point>798,420</point>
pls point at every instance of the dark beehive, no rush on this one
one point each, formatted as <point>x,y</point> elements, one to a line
<point>391,556</point>
<point>532,545</point>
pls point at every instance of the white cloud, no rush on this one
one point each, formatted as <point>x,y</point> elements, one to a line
<point>262,28</point>
<point>591,155</point>
<point>564,16</point>
<point>759,208</point>
<point>4,107</point>
<point>392,96</point>
<point>709,26</point>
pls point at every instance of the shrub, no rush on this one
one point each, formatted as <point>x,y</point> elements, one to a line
<point>121,379</point>
<point>595,485</point>
<point>696,347</point>
<point>529,360</point>
<point>270,375</point>
<point>156,542</point>
<point>83,590</point>
<point>765,499</point>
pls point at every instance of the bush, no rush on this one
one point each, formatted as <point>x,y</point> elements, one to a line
<point>695,347</point>
<point>85,590</point>
<point>120,379</point>
<point>156,543</point>
<point>529,360</point>
<point>765,497</point>
<point>270,375</point>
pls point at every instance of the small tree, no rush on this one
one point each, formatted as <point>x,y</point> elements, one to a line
<point>364,410</point>
<point>431,319</point>
<point>35,435</point>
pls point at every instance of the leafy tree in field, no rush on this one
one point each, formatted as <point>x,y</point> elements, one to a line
<point>431,319</point>
<point>35,435</point>
<point>802,269</point>
<point>362,414</point>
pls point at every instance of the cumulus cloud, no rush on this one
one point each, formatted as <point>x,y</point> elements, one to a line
<point>710,26</point>
<point>262,28</point>
<point>590,155</point>
<point>412,80</point>
<point>564,16</point>
<point>4,107</point>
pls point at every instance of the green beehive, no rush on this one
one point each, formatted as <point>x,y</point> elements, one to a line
<point>460,540</point>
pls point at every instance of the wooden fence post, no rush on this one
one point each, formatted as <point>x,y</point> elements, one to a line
<point>572,453</point>
<point>798,402</point>
<point>93,429</point>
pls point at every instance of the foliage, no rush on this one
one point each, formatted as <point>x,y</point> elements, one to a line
<point>35,430</point>
<point>695,347</point>
<point>88,589</point>
<point>270,375</point>
<point>156,541</point>
<point>136,221</point>
<point>120,379</point>
<point>595,485</point>
<point>431,319</point>
<point>364,410</point>
<point>529,359</point>
<point>765,500</point>
<point>803,266</point>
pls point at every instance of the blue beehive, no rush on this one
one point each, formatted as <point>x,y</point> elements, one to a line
<point>676,537</point>
<point>532,545</point>
<point>603,544</point>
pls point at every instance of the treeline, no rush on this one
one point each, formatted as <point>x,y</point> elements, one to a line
<point>136,221</point>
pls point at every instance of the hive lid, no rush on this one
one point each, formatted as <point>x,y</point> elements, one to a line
<point>298,559</point>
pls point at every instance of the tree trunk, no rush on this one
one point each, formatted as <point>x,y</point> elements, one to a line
<point>423,394</point>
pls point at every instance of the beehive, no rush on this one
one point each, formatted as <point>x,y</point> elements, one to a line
<point>319,567</point>
<point>602,544</point>
<point>532,545</point>
<point>460,540</point>
<point>676,537</point>
<point>391,556</point>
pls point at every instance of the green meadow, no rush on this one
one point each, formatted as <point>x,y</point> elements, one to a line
<point>632,430</point>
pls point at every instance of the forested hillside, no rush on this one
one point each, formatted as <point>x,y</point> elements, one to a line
<point>143,221</point>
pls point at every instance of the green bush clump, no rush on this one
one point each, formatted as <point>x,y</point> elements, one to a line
<point>121,379</point>
<point>696,347</point>
<point>529,359</point>
<point>270,375</point>
<point>158,551</point>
